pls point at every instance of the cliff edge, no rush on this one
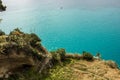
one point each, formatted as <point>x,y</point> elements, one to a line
<point>22,57</point>
<point>19,51</point>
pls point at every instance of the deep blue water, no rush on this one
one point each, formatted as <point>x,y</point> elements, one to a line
<point>73,28</point>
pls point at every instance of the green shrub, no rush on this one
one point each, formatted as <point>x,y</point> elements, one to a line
<point>87,56</point>
<point>58,56</point>
<point>55,56</point>
<point>61,52</point>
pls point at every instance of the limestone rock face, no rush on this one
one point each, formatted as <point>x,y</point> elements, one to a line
<point>19,50</point>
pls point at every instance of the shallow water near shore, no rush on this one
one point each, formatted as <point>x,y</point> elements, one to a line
<point>76,29</point>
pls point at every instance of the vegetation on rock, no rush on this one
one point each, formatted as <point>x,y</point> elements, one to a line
<point>22,57</point>
<point>17,52</point>
<point>87,56</point>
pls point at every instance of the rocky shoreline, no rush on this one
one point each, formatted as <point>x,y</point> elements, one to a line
<point>22,55</point>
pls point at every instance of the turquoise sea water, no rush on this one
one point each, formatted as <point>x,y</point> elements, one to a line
<point>73,28</point>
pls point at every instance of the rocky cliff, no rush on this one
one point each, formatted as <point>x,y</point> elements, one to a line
<point>22,57</point>
<point>19,51</point>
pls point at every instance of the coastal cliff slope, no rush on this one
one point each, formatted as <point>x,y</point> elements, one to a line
<point>19,51</point>
<point>22,57</point>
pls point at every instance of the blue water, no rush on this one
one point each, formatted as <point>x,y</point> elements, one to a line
<point>73,28</point>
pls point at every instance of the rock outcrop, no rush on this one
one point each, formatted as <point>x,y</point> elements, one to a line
<point>19,50</point>
<point>22,57</point>
<point>2,7</point>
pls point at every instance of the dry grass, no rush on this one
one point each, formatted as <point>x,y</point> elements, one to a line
<point>84,70</point>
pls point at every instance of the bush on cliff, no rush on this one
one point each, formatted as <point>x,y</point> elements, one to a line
<point>61,52</point>
<point>55,57</point>
<point>87,56</point>
<point>58,56</point>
